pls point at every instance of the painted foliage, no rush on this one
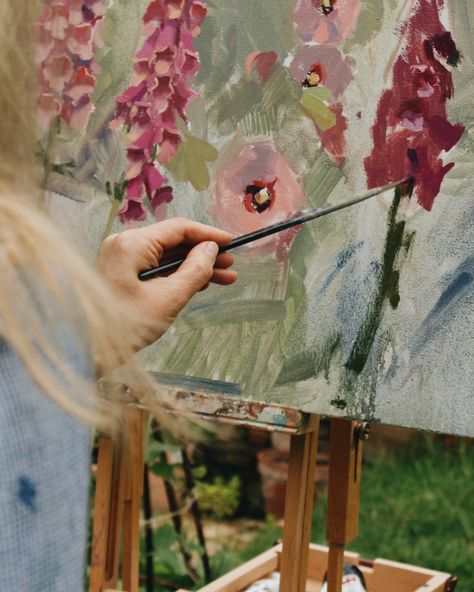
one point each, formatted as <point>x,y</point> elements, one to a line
<point>242,113</point>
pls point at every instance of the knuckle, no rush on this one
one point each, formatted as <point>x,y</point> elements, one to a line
<point>203,269</point>
<point>179,221</point>
<point>109,241</point>
<point>124,241</point>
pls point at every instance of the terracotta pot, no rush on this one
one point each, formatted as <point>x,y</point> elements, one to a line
<point>273,469</point>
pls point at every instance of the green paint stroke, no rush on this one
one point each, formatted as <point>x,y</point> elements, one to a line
<point>237,102</point>
<point>313,103</point>
<point>258,108</point>
<point>320,180</point>
<point>387,289</point>
<point>370,23</point>
<point>190,162</point>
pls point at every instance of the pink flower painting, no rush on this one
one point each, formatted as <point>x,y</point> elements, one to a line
<point>321,69</point>
<point>336,70</point>
<point>412,128</point>
<point>255,188</point>
<point>67,36</point>
<point>327,22</point>
<point>159,93</point>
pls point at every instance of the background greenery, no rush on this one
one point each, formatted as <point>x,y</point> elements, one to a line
<point>417,507</point>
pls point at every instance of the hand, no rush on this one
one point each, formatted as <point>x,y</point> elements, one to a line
<point>123,256</point>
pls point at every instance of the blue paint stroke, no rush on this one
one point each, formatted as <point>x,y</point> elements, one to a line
<point>455,289</point>
<point>196,384</point>
<point>450,298</point>
<point>27,492</point>
<point>344,257</point>
<point>342,260</point>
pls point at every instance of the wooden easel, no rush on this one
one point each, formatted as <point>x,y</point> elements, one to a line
<point>120,478</point>
<point>119,484</point>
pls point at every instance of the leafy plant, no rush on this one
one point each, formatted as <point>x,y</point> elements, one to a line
<point>220,498</point>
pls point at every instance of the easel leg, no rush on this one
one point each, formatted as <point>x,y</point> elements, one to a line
<point>345,462</point>
<point>133,461</point>
<point>107,516</point>
<point>335,567</point>
<point>298,511</point>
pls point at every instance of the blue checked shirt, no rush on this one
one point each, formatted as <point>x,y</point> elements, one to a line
<point>44,483</point>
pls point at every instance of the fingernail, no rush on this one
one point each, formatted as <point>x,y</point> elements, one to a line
<point>212,249</point>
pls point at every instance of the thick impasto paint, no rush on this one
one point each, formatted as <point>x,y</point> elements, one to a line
<point>241,114</point>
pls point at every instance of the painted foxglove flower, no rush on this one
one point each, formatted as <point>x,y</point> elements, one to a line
<point>160,91</point>
<point>412,129</point>
<point>67,36</point>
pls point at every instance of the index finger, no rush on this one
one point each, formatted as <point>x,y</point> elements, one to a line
<point>173,232</point>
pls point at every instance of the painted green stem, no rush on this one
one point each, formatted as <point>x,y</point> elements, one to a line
<point>387,288</point>
<point>114,208</point>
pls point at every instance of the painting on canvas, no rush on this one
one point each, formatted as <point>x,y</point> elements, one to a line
<point>240,114</point>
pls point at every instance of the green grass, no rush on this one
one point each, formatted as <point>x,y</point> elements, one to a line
<point>416,507</point>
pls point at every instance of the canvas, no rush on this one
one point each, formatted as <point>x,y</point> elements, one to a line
<point>240,114</point>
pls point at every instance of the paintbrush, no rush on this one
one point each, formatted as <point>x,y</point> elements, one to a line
<point>296,220</point>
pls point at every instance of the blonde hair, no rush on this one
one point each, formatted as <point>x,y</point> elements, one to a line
<point>47,288</point>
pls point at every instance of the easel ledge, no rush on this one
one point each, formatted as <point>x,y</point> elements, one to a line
<point>225,409</point>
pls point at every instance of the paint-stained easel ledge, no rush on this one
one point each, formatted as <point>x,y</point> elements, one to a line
<point>223,408</point>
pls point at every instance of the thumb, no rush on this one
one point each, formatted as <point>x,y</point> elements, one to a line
<point>197,268</point>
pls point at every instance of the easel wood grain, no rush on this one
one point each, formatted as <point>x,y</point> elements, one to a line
<point>119,483</point>
<point>133,462</point>
<point>107,516</point>
<point>345,464</point>
<point>298,510</point>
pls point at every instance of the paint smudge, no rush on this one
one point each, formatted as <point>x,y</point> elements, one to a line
<point>261,61</point>
<point>26,493</point>
<point>333,139</point>
<point>67,37</point>
<point>160,91</point>
<point>411,129</point>
<point>338,403</point>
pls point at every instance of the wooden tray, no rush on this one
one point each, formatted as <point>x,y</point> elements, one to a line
<point>381,575</point>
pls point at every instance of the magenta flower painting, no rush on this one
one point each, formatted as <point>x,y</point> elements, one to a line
<point>67,36</point>
<point>159,93</point>
<point>241,114</point>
